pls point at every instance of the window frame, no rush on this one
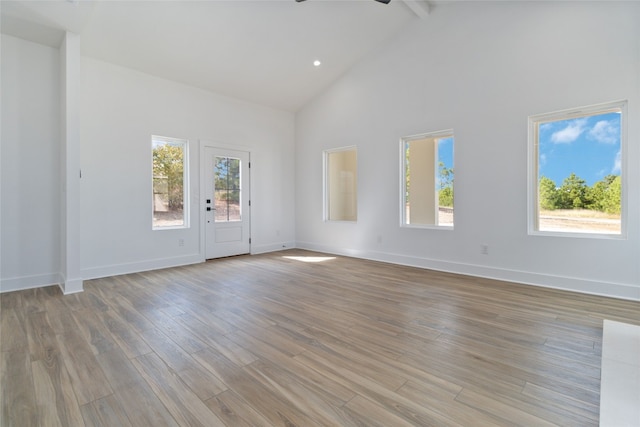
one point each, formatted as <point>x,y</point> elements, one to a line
<point>185,182</point>
<point>441,134</point>
<point>326,184</point>
<point>533,202</point>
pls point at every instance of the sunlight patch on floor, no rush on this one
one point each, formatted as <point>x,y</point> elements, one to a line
<point>310,258</point>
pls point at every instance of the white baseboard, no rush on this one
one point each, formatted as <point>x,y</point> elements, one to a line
<point>29,282</point>
<point>71,286</point>
<point>586,286</point>
<point>574,284</point>
<point>136,267</point>
<point>273,247</point>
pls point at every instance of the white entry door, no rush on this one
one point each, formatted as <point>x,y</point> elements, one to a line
<point>227,204</point>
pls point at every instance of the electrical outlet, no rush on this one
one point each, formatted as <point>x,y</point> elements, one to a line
<point>484,249</point>
<point>180,242</point>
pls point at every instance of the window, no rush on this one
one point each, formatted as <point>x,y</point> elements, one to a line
<point>227,189</point>
<point>576,171</point>
<point>169,182</point>
<point>341,184</point>
<point>427,179</point>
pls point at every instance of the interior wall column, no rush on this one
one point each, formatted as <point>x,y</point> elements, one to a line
<point>71,279</point>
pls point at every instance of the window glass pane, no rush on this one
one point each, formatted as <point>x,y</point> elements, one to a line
<point>222,209</point>
<point>341,175</point>
<point>234,205</point>
<point>428,179</point>
<point>579,172</point>
<point>169,173</point>
<point>234,174</point>
<point>444,181</point>
<point>227,189</point>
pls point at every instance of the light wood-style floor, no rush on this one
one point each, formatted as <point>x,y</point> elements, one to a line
<point>274,341</point>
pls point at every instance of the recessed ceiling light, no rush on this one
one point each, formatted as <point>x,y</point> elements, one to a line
<point>316,63</point>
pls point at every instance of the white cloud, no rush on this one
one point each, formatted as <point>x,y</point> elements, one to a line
<point>570,133</point>
<point>605,131</point>
<point>543,159</point>
<point>617,164</point>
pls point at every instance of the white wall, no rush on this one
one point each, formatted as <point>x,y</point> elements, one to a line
<point>30,173</point>
<point>480,69</point>
<point>120,110</point>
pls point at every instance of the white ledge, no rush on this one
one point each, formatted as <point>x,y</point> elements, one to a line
<point>620,375</point>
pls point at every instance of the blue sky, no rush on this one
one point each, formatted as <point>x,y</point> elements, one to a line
<point>445,151</point>
<point>586,146</point>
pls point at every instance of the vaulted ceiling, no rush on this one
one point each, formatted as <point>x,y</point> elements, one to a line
<point>261,51</point>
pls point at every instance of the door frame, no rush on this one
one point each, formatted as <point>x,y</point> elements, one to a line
<point>202,197</point>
